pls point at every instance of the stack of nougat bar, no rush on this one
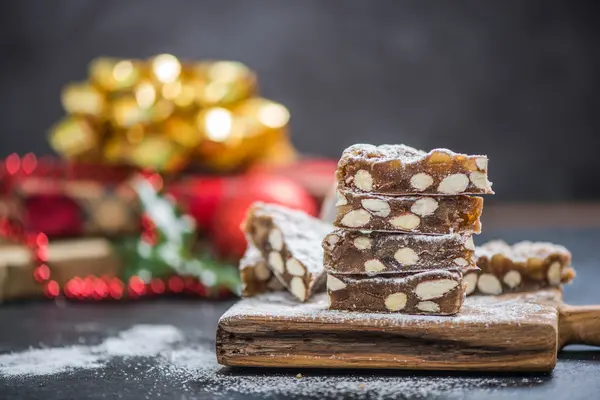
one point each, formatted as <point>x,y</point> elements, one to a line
<point>405,223</point>
<point>284,251</point>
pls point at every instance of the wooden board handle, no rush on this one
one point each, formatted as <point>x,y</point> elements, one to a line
<point>579,325</point>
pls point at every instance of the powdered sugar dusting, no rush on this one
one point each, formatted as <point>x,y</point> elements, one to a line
<point>476,309</point>
<point>449,239</point>
<point>48,361</point>
<point>302,233</point>
<point>139,341</point>
<point>522,251</point>
<point>191,367</point>
<point>199,365</point>
<point>386,152</point>
<point>251,257</point>
<point>409,279</point>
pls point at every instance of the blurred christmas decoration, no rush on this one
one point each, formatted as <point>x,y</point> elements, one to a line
<point>166,246</point>
<point>24,275</point>
<point>165,114</point>
<point>62,199</point>
<point>163,259</point>
<point>226,235</point>
<point>315,175</point>
<point>207,144</point>
<point>202,196</point>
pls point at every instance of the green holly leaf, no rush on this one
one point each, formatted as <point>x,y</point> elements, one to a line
<point>173,249</point>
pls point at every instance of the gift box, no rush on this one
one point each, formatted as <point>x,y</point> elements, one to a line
<point>21,275</point>
<point>161,259</point>
<point>62,199</point>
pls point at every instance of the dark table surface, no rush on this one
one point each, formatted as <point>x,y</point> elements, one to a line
<point>196,375</point>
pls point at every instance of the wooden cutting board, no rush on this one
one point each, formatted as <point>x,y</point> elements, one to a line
<point>514,332</point>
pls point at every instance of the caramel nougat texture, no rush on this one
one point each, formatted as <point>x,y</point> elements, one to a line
<point>373,253</point>
<point>436,292</point>
<point>399,169</point>
<point>290,241</point>
<point>524,266</point>
<point>256,277</point>
<point>418,214</point>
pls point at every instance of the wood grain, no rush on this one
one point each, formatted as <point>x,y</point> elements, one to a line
<point>579,325</point>
<point>515,332</point>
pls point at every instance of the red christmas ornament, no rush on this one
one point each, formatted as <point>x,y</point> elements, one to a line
<point>55,215</point>
<point>313,174</point>
<point>226,235</point>
<point>200,197</point>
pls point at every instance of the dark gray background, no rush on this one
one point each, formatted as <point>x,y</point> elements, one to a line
<point>517,80</point>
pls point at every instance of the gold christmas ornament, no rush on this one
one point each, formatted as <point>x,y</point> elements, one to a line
<point>280,153</point>
<point>265,124</point>
<point>116,150</point>
<point>83,98</point>
<point>112,75</point>
<point>242,135</point>
<point>218,125</point>
<point>183,132</point>
<point>145,94</point>
<point>165,68</point>
<point>262,114</point>
<point>181,92</point>
<point>164,114</point>
<point>157,152</point>
<point>225,83</point>
<point>75,136</point>
<point>125,112</point>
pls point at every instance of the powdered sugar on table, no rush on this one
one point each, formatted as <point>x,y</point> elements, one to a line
<point>191,366</point>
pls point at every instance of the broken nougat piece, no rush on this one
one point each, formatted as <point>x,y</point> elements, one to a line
<point>255,276</point>
<point>290,241</point>
<point>355,252</point>
<point>522,267</point>
<point>399,169</point>
<point>436,292</point>
<point>420,214</point>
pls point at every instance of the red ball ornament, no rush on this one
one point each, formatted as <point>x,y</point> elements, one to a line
<point>55,215</point>
<point>199,196</point>
<point>226,235</point>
